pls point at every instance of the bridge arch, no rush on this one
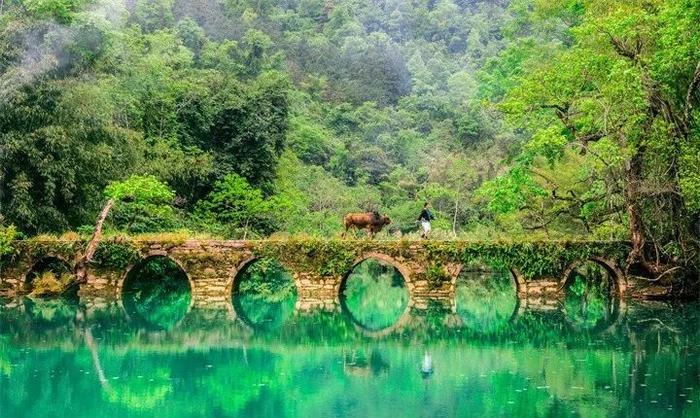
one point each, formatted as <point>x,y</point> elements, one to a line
<point>518,279</point>
<point>577,316</point>
<point>404,316</point>
<point>617,277</point>
<point>144,261</point>
<point>233,285</point>
<point>235,277</point>
<point>403,269</point>
<point>42,264</point>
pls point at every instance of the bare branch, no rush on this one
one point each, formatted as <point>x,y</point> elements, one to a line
<point>564,114</point>
<point>623,48</point>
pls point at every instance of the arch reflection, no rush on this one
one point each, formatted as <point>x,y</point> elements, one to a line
<point>374,295</point>
<point>486,298</point>
<point>156,293</point>
<point>264,294</point>
<point>590,302</point>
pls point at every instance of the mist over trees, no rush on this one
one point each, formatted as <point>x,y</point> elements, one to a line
<point>522,118</point>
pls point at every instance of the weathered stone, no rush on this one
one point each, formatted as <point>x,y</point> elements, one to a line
<point>212,265</point>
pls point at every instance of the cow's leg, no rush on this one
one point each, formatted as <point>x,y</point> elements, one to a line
<point>350,227</point>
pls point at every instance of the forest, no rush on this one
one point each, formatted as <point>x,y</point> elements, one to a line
<point>520,119</point>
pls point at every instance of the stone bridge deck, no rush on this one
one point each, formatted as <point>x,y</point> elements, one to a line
<point>319,267</point>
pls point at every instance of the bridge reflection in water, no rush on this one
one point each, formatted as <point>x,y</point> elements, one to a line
<point>375,300</point>
<point>225,329</point>
<point>375,297</point>
<point>489,354</point>
<point>645,363</point>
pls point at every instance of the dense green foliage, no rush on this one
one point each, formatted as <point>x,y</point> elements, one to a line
<point>611,121</point>
<point>235,205</point>
<point>554,119</point>
<point>143,204</point>
<point>7,235</point>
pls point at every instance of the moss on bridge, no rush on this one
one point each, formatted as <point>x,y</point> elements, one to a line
<point>336,257</point>
<point>530,258</point>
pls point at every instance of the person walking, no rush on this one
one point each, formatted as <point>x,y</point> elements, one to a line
<point>425,217</point>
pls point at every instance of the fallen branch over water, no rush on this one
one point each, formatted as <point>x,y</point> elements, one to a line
<point>80,271</point>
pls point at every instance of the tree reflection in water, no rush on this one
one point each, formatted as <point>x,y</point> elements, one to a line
<point>374,295</point>
<point>156,293</point>
<point>264,294</point>
<point>486,298</point>
<point>589,302</point>
<point>51,312</point>
<point>646,365</point>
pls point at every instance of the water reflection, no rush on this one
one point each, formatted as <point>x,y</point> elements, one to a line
<point>99,364</point>
<point>485,298</point>
<point>358,362</point>
<point>590,303</point>
<point>264,294</point>
<point>374,295</point>
<point>51,312</point>
<point>156,293</point>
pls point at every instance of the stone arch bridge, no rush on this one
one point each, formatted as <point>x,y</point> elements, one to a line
<point>430,268</point>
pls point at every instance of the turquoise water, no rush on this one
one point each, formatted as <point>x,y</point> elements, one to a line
<point>488,355</point>
<point>374,296</point>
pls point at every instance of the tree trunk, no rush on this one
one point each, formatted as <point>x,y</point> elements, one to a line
<point>633,173</point>
<point>80,271</point>
<point>245,230</point>
<point>454,219</point>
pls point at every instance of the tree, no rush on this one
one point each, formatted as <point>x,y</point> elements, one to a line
<point>623,96</point>
<point>234,205</point>
<point>142,204</point>
<point>248,132</point>
<point>451,182</point>
<point>372,70</point>
<point>56,155</point>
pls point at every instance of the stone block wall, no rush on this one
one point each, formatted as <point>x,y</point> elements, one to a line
<point>212,266</point>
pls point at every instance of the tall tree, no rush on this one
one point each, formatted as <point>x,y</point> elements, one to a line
<point>624,95</point>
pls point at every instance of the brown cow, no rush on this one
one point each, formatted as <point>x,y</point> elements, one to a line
<point>371,221</point>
